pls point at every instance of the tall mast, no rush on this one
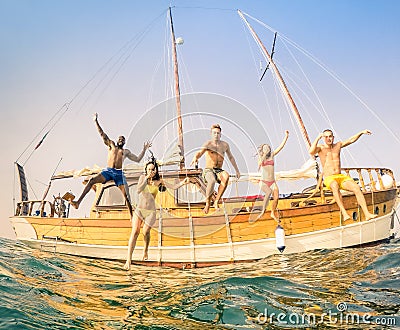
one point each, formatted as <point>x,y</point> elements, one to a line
<point>177,93</point>
<point>280,79</point>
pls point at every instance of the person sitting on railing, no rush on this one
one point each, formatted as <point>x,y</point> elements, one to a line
<point>329,154</point>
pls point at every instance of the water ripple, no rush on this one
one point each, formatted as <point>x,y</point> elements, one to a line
<point>41,290</point>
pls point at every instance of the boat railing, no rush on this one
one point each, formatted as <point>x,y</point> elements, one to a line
<point>35,208</point>
<point>372,178</point>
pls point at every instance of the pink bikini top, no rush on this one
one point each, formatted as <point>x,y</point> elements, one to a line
<point>267,162</point>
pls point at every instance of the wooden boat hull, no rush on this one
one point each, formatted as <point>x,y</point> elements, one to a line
<point>210,240</point>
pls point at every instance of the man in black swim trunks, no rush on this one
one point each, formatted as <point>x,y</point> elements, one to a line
<point>214,150</point>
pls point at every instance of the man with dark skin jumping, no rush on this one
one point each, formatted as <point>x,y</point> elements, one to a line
<point>116,156</point>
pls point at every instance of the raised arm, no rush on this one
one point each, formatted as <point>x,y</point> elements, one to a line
<point>142,183</point>
<point>138,158</point>
<point>104,136</point>
<point>354,138</point>
<point>233,161</point>
<point>276,151</point>
<point>314,148</point>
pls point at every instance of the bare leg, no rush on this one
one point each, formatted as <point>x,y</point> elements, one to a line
<point>146,238</point>
<point>127,199</point>
<point>338,198</point>
<point>209,190</point>
<point>224,177</point>
<point>149,222</point>
<point>352,186</point>
<point>268,191</point>
<point>99,178</point>
<point>136,222</point>
<point>275,194</point>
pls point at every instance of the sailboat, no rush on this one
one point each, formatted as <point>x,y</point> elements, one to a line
<point>184,236</point>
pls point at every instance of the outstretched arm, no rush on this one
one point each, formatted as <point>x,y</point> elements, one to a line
<point>176,186</point>
<point>138,158</point>
<point>106,139</point>
<point>314,148</point>
<point>354,138</point>
<point>276,151</point>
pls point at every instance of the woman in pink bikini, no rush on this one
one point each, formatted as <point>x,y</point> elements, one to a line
<point>268,184</point>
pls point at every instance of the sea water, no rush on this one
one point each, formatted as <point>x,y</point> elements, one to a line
<point>352,288</point>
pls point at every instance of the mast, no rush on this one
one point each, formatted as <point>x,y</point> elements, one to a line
<point>177,93</point>
<point>282,82</point>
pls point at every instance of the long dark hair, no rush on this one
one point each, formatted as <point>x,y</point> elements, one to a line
<point>260,150</point>
<point>157,177</point>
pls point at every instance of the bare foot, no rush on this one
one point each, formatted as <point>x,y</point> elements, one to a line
<point>127,265</point>
<point>206,208</point>
<point>273,216</point>
<point>260,215</point>
<point>145,256</point>
<point>346,217</point>
<point>74,204</point>
<point>370,216</point>
<point>216,207</point>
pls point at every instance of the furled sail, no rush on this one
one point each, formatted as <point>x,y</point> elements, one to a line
<point>174,157</point>
<point>308,170</point>
<point>77,173</point>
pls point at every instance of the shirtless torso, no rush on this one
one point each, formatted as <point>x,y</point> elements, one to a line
<point>330,158</point>
<point>117,155</point>
<point>214,151</point>
<point>329,154</point>
<point>115,158</point>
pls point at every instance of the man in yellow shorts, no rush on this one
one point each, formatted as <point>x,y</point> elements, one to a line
<point>329,154</point>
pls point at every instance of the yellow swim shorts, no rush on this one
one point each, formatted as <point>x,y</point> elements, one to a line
<point>339,178</point>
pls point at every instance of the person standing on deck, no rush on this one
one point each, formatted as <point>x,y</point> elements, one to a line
<point>329,154</point>
<point>214,150</point>
<point>116,156</point>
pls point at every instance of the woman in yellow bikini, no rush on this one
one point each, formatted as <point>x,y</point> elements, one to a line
<point>148,187</point>
<point>268,185</point>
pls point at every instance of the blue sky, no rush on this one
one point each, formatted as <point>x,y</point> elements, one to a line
<point>51,49</point>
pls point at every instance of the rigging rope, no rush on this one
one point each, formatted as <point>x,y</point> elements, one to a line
<point>329,72</point>
<point>125,55</point>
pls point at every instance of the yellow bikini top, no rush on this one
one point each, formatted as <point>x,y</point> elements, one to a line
<point>152,189</point>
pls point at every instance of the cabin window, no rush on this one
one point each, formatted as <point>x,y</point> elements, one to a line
<point>376,210</point>
<point>111,196</point>
<point>384,208</point>
<point>189,193</point>
<point>355,216</point>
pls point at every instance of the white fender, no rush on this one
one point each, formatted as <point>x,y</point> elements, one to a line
<point>280,238</point>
